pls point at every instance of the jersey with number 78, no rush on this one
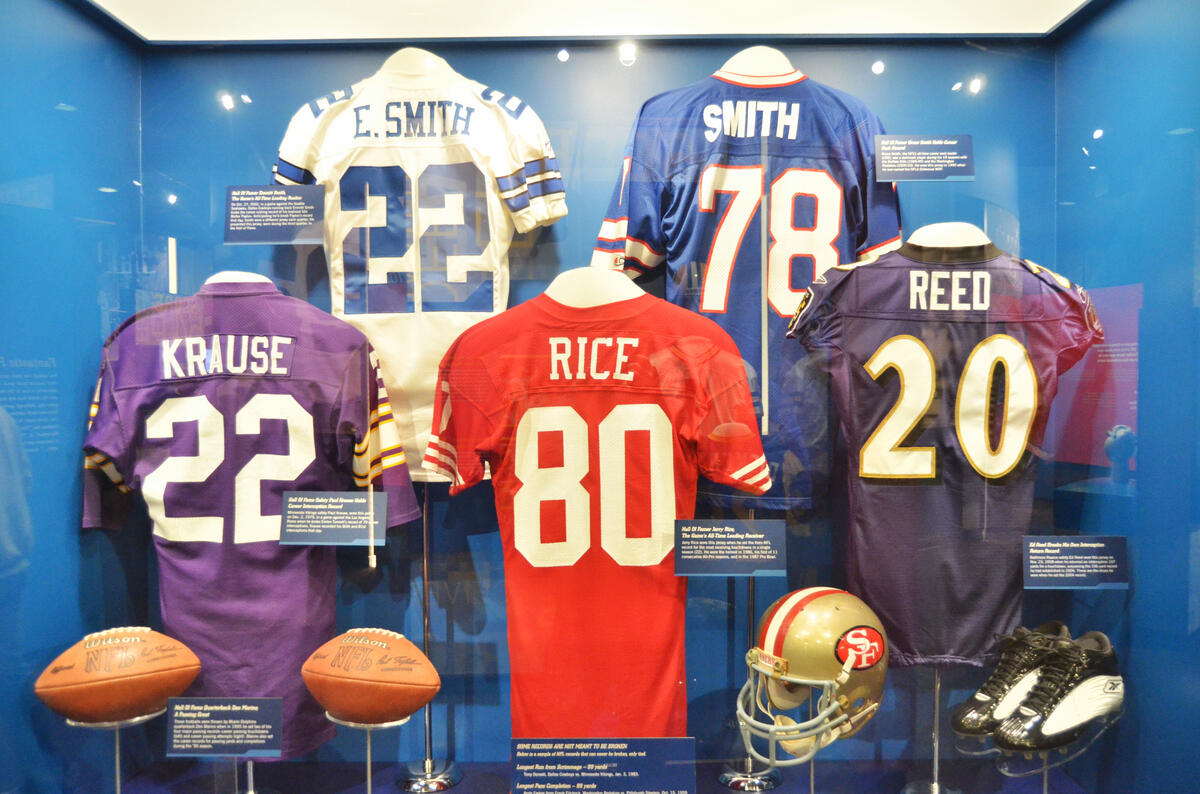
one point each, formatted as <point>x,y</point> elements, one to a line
<point>595,423</point>
<point>745,189</point>
<point>426,179</point>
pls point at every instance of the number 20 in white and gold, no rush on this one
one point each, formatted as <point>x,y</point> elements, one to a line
<point>884,456</point>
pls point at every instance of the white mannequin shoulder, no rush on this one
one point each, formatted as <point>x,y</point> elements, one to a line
<point>948,235</point>
<point>583,287</point>
<point>759,60</point>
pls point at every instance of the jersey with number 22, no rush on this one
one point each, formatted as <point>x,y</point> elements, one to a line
<point>426,179</point>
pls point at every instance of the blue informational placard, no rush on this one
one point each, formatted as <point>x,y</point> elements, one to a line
<point>1076,563</point>
<point>331,518</point>
<point>605,766</point>
<point>274,214</point>
<point>730,547</point>
<point>924,158</point>
<point>224,727</point>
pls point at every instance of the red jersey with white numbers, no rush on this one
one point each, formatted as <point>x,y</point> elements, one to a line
<point>595,424</point>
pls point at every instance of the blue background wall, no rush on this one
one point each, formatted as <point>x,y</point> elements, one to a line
<point>96,112</point>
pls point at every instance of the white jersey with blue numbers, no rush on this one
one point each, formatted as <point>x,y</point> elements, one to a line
<point>427,177</point>
<point>746,188</point>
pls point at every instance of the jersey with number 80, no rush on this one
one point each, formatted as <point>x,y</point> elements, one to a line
<point>595,424</point>
<point>746,190</point>
<point>944,363</point>
<point>427,177</point>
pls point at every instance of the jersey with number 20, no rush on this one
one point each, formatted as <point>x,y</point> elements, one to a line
<point>746,188</point>
<point>426,179</point>
<point>595,423</point>
<point>943,364</point>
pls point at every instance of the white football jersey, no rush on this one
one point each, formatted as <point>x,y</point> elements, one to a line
<point>426,179</point>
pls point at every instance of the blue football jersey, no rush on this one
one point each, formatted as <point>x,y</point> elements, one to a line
<point>943,365</point>
<point>746,188</point>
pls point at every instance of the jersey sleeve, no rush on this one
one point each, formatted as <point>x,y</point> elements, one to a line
<point>460,427</point>
<point>378,456</point>
<point>631,236</point>
<point>877,208</point>
<point>815,322</point>
<point>106,462</point>
<point>729,448</point>
<point>531,185</point>
<point>294,166</point>
<point>1081,327</point>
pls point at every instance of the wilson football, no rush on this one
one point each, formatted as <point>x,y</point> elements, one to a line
<point>116,675</point>
<point>370,676</point>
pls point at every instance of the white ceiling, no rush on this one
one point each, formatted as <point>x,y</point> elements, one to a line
<point>164,21</point>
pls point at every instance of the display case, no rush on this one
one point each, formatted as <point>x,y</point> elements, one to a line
<point>1083,142</point>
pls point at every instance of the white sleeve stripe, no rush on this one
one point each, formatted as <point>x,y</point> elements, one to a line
<point>446,450</point>
<point>643,253</point>
<point>757,481</point>
<point>758,462</point>
<point>613,230</point>
<point>433,464</point>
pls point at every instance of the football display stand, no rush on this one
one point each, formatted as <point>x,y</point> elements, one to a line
<point>368,728</point>
<point>116,727</point>
<point>745,774</point>
<point>429,774</point>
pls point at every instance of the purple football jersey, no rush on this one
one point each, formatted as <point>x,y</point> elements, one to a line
<point>745,188</point>
<point>212,407</point>
<point>943,363</point>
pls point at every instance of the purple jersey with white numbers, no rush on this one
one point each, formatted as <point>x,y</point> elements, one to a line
<point>212,407</point>
<point>943,364</point>
<point>706,167</point>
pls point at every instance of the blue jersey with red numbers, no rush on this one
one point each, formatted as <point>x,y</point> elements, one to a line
<point>746,188</point>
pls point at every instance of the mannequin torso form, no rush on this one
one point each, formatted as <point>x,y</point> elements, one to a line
<point>591,286</point>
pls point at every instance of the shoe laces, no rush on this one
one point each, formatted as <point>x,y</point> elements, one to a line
<point>1021,653</point>
<point>1058,672</point>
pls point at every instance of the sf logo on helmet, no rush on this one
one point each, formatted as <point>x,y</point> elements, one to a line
<point>865,643</point>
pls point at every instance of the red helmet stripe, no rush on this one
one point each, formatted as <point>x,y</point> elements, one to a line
<point>774,623</point>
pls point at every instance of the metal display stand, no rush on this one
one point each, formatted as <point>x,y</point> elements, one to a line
<point>745,774</point>
<point>429,774</point>
<point>368,727</point>
<point>116,727</point>
<point>933,786</point>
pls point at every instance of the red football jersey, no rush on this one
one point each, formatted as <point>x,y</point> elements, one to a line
<point>595,424</point>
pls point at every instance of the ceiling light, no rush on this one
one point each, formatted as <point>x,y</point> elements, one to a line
<point>627,53</point>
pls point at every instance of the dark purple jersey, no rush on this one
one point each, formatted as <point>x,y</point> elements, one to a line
<point>943,364</point>
<point>212,406</point>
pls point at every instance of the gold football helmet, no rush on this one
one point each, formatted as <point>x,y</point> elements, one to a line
<point>822,639</point>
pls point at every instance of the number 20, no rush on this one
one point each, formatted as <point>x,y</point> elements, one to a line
<point>883,456</point>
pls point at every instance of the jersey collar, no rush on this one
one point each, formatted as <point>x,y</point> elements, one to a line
<point>616,310</point>
<point>949,256</point>
<point>761,80</point>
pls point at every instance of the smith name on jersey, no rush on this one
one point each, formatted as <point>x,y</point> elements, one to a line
<point>213,406</point>
<point>427,177</point>
<point>595,423</point>
<point>712,172</point>
<point>943,364</point>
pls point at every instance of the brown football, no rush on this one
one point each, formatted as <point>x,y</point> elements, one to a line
<point>116,675</point>
<point>370,676</point>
